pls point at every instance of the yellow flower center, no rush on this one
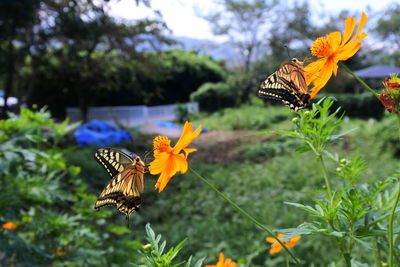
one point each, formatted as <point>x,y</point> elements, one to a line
<point>162,144</point>
<point>321,47</point>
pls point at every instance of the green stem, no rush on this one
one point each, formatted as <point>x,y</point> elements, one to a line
<point>378,258</point>
<point>359,80</point>
<point>324,172</point>
<point>393,213</point>
<point>347,258</point>
<point>391,221</point>
<point>398,123</point>
<point>244,213</point>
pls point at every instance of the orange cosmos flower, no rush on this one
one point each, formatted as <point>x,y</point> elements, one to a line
<point>9,226</point>
<point>222,262</point>
<point>331,49</point>
<point>170,160</point>
<point>276,247</point>
<point>60,252</point>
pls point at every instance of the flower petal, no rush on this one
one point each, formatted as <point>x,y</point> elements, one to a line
<point>162,181</point>
<point>180,163</point>
<point>323,78</point>
<point>270,239</point>
<point>296,238</point>
<point>159,164</point>
<point>311,71</point>
<point>363,20</point>
<point>334,40</point>
<point>275,248</point>
<point>188,151</point>
<point>349,28</point>
<point>187,136</point>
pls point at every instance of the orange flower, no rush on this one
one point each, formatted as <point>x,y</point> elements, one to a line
<point>276,247</point>
<point>331,49</point>
<point>9,226</point>
<point>222,262</point>
<point>60,252</point>
<point>169,160</point>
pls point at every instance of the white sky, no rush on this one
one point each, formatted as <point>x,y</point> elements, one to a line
<point>181,17</point>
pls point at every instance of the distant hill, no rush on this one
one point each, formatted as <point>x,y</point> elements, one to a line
<point>214,49</point>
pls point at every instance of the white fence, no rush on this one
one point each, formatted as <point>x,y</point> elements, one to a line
<point>132,115</point>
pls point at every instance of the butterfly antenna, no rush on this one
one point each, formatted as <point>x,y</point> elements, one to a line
<point>146,154</point>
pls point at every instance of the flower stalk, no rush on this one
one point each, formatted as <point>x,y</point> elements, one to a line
<point>325,173</point>
<point>372,91</point>
<point>244,213</point>
<point>393,213</point>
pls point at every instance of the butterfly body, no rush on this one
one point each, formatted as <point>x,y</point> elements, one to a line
<point>127,173</point>
<point>287,85</point>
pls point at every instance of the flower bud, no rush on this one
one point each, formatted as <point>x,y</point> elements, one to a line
<point>147,248</point>
<point>295,120</point>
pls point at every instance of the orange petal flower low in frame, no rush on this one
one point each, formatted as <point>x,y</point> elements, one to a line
<point>9,226</point>
<point>331,49</point>
<point>170,160</point>
<point>276,247</point>
<point>222,262</point>
<point>60,252</point>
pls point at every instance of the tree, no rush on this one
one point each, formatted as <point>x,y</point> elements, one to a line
<point>17,20</point>
<point>244,23</point>
<point>388,28</point>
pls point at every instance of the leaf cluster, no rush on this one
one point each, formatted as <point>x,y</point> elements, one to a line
<point>51,207</point>
<point>155,253</point>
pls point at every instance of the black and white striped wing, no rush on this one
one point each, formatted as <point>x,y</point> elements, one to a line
<point>113,161</point>
<point>123,190</point>
<point>287,85</point>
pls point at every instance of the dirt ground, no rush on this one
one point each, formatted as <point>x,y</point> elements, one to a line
<point>225,146</point>
<point>214,146</point>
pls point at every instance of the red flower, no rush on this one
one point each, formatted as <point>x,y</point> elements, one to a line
<point>387,101</point>
<point>390,98</point>
<point>392,83</point>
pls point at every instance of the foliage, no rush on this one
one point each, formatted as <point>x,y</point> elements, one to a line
<point>156,257</point>
<point>362,106</point>
<point>184,72</point>
<point>261,181</point>
<point>182,113</point>
<point>215,96</point>
<point>351,215</point>
<point>388,25</point>
<point>43,196</point>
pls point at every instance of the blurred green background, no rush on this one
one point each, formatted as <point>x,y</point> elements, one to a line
<point>61,53</point>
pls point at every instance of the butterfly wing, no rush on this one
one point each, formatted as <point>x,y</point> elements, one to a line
<point>124,189</point>
<point>112,160</point>
<point>287,85</point>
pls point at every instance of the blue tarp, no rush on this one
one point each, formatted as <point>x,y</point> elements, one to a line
<point>377,71</point>
<point>100,133</point>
